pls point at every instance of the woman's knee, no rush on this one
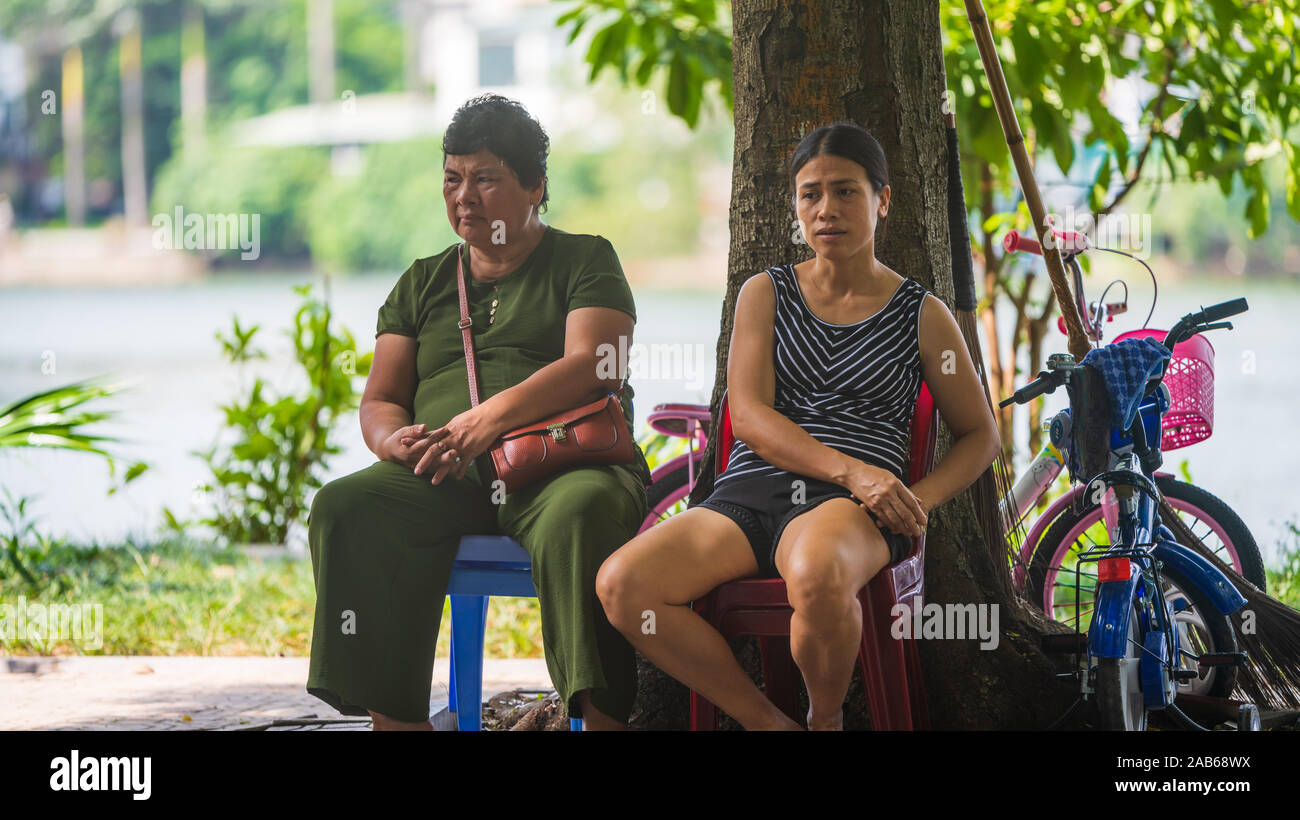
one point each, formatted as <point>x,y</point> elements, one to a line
<point>618,590</point>
<point>819,579</point>
<point>332,503</point>
<point>576,527</point>
<point>589,497</point>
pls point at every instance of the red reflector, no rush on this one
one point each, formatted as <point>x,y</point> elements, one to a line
<point>1114,569</point>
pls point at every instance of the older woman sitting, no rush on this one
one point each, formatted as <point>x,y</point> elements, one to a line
<point>383,539</point>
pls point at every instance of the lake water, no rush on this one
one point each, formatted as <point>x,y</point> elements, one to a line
<point>162,337</point>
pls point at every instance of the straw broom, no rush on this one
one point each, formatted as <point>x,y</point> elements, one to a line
<point>1272,674</point>
<point>995,520</point>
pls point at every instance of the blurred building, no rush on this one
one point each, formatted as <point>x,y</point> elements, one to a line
<point>15,142</point>
<point>456,49</point>
<point>512,47</point>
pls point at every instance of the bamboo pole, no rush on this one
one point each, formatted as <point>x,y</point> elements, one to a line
<point>979,22</point>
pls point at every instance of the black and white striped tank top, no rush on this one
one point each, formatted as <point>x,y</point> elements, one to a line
<point>852,387</point>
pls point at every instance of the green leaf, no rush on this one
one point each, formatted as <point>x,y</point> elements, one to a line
<point>134,471</point>
<point>172,522</point>
<point>678,85</point>
<point>594,52</point>
<point>256,448</point>
<point>1292,182</point>
<point>1257,210</point>
<point>613,48</point>
<point>1100,185</point>
<point>644,69</point>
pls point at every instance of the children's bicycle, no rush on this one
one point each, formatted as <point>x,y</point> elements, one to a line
<point>1048,567</point>
<point>1161,612</point>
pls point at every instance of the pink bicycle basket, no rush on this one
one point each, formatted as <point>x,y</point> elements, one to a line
<point>1190,379</point>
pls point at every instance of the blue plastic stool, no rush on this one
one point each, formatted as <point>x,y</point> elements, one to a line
<point>485,565</point>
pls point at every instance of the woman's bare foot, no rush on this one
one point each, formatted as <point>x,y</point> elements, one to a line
<point>780,723</point>
<point>383,723</point>
<point>828,723</point>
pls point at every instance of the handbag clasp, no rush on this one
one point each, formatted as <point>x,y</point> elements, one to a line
<point>557,431</point>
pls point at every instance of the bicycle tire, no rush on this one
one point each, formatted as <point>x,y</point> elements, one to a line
<point>1115,703</point>
<point>1051,552</point>
<point>675,483</point>
<point>1250,564</point>
<point>1116,707</point>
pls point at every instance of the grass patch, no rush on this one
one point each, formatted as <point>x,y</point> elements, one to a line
<point>176,597</point>
<point>1284,577</point>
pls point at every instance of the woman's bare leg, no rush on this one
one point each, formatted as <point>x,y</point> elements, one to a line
<point>594,720</point>
<point>381,723</point>
<point>826,556</point>
<point>646,588</point>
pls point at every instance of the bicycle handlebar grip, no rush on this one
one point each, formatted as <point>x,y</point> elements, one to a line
<point>1223,310</point>
<point>1071,241</point>
<point>1037,387</point>
<point>1068,241</point>
<point>1015,241</point>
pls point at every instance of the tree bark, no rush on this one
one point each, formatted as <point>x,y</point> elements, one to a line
<point>877,63</point>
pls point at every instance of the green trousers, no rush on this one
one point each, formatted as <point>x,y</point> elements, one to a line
<point>382,544</point>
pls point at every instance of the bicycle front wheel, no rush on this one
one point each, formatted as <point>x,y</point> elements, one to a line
<point>1118,684</point>
<point>1199,628</point>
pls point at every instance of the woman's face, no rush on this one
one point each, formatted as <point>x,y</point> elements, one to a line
<point>486,205</point>
<point>837,207</point>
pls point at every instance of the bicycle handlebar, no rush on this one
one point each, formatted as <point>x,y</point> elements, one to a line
<point>1204,319</point>
<point>1223,310</point>
<point>1047,381</point>
<point>1186,327</point>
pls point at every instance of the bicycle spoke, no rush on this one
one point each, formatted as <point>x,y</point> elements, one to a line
<point>1072,574</point>
<point>1193,522</point>
<point>1073,620</point>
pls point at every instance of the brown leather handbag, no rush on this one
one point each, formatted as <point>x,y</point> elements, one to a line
<point>595,433</point>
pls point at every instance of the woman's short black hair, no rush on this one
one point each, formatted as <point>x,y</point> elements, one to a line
<point>843,139</point>
<point>505,128</point>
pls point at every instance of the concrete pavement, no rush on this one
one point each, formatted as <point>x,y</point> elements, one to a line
<point>155,693</point>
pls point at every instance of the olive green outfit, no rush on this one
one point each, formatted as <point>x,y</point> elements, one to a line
<point>383,539</point>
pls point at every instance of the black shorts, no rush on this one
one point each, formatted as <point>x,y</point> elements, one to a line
<point>762,506</point>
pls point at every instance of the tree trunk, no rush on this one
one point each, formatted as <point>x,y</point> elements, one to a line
<point>320,50</point>
<point>74,137</point>
<point>878,63</point>
<point>135,202</point>
<point>194,82</point>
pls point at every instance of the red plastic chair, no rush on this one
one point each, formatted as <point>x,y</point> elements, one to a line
<point>891,668</point>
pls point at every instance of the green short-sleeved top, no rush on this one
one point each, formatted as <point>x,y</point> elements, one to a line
<point>564,272</point>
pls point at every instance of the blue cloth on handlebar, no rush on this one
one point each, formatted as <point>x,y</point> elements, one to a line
<point>1125,367</point>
